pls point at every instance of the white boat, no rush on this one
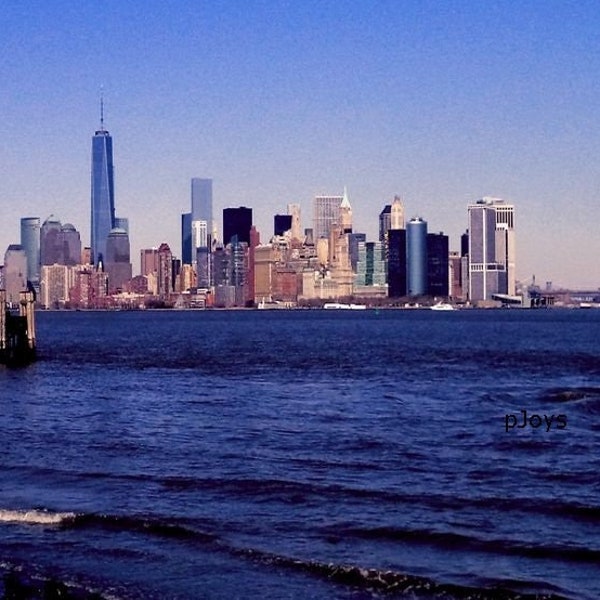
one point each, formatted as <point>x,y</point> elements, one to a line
<point>341,306</point>
<point>273,304</point>
<point>442,306</point>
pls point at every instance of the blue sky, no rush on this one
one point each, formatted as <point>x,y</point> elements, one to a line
<point>439,102</point>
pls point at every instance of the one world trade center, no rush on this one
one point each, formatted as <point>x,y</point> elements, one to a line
<point>103,191</point>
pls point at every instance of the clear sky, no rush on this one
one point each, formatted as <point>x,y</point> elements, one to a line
<point>439,102</point>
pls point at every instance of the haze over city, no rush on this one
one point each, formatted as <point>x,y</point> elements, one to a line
<point>440,103</point>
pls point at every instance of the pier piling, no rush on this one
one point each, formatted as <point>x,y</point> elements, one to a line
<point>17,331</point>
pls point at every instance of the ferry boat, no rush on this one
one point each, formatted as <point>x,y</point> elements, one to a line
<point>341,306</point>
<point>273,305</point>
<point>442,306</point>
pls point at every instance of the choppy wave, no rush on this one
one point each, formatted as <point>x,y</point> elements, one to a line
<point>457,541</point>
<point>354,576</point>
<point>391,582</point>
<point>294,491</point>
<point>571,394</point>
<point>150,526</point>
<point>35,517</point>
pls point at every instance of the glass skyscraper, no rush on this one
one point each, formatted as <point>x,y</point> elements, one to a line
<point>30,241</point>
<point>103,192</point>
<point>202,201</point>
<point>416,256</point>
<point>197,226</point>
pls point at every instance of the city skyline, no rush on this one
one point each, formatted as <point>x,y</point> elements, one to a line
<point>441,104</point>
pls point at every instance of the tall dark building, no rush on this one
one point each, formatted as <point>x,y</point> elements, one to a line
<point>203,267</point>
<point>186,239</point>
<point>464,244</point>
<point>50,243</point>
<point>438,257</point>
<point>59,244</point>
<point>237,221</point>
<point>281,224</point>
<point>103,190</point>
<point>165,270</point>
<point>118,261</point>
<point>221,267</point>
<point>70,245</point>
<point>396,263</point>
<point>385,221</point>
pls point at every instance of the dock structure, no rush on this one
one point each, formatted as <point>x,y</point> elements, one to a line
<point>17,330</point>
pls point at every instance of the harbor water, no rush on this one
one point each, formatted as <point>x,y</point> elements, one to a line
<point>305,454</point>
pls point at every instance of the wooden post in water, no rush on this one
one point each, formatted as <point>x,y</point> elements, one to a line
<point>17,332</point>
<point>26,303</point>
<point>2,324</point>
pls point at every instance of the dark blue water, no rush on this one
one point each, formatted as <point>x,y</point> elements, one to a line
<point>306,454</point>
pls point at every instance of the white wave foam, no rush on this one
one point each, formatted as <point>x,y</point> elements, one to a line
<point>34,517</point>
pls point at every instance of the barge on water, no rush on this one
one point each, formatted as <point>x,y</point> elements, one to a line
<point>17,330</point>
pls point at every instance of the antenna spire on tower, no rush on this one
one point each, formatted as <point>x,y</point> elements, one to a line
<point>102,108</point>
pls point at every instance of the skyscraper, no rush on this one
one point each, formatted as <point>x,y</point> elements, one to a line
<point>70,244</point>
<point>491,249</point>
<point>345,214</point>
<point>438,261</point>
<point>391,217</point>
<point>117,262</point>
<point>237,221</point>
<point>186,238</point>
<point>59,244</point>
<point>294,210</point>
<point>326,212</point>
<point>397,214</point>
<point>197,226</point>
<point>385,222</point>
<point>416,250</point>
<point>396,262</point>
<point>164,271</point>
<point>281,224</point>
<point>30,241</point>
<point>202,201</point>
<point>505,242</point>
<point>15,272</point>
<point>50,243</point>
<point>103,192</point>
<point>202,213</point>
<point>371,268</point>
